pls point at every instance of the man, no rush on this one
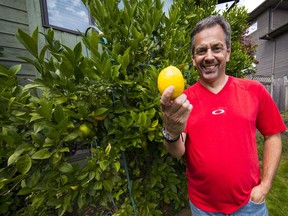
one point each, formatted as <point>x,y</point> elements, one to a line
<point>214,125</point>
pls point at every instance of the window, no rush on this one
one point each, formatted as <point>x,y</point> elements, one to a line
<point>65,15</point>
<point>252,28</point>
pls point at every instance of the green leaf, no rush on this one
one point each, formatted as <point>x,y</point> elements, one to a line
<point>24,164</point>
<point>24,191</point>
<point>91,176</point>
<point>71,136</point>
<point>28,42</point>
<point>66,149</point>
<point>45,110</point>
<point>64,206</point>
<point>41,154</point>
<point>59,113</point>
<point>14,156</point>
<point>64,124</point>
<point>82,176</point>
<point>52,132</point>
<point>14,69</point>
<point>98,185</point>
<point>38,138</point>
<point>103,164</point>
<point>77,51</point>
<point>100,111</point>
<point>64,179</point>
<point>81,201</point>
<point>125,59</point>
<point>4,71</point>
<point>151,136</point>
<point>66,167</point>
<point>117,166</point>
<point>56,157</point>
<point>155,123</point>
<point>108,185</point>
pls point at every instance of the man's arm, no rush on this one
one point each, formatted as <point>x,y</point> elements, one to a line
<point>176,149</point>
<point>271,158</point>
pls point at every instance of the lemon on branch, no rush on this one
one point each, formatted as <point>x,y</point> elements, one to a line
<point>85,129</point>
<point>171,75</point>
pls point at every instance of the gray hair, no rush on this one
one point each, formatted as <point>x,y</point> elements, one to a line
<point>209,22</point>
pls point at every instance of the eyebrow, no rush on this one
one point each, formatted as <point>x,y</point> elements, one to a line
<point>212,45</point>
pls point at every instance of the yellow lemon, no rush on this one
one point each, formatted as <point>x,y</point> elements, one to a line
<point>171,75</point>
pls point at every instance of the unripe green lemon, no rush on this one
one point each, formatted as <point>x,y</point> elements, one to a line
<point>85,129</point>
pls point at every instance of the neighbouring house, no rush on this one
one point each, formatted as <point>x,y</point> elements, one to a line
<point>269,30</point>
<point>65,17</point>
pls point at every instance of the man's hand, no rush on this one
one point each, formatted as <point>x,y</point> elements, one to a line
<point>175,112</point>
<point>259,193</point>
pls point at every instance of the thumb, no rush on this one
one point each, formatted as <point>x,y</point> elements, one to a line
<point>166,96</point>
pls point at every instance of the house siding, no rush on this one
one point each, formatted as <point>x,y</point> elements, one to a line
<point>279,18</point>
<point>281,58</point>
<point>271,54</point>
<point>264,49</point>
<point>25,15</point>
<point>13,16</point>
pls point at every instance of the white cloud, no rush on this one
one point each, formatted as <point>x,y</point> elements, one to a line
<point>250,5</point>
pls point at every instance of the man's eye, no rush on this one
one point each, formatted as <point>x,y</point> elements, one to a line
<point>217,49</point>
<point>201,51</point>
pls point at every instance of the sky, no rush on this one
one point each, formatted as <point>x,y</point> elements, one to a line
<point>249,4</point>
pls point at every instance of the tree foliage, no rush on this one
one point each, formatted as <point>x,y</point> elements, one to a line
<point>104,102</point>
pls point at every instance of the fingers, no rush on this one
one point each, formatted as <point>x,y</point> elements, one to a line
<point>179,103</point>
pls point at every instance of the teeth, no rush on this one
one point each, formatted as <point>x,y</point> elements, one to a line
<point>210,67</point>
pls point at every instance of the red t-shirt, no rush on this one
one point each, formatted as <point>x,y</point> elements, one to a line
<point>221,150</point>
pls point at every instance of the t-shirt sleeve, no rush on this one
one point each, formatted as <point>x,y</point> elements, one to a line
<point>269,119</point>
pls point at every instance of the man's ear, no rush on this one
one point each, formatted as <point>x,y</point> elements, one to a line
<point>228,54</point>
<point>193,60</point>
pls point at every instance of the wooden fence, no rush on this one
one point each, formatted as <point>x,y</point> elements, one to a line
<point>277,87</point>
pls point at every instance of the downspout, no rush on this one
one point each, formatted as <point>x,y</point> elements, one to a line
<point>273,65</point>
<point>271,21</point>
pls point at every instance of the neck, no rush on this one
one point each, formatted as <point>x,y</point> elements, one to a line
<point>215,86</point>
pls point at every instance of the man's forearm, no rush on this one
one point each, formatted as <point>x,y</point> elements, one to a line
<point>271,158</point>
<point>176,149</point>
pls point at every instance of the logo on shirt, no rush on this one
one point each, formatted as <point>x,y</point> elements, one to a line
<point>218,111</point>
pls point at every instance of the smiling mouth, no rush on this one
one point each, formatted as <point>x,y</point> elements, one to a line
<point>209,68</point>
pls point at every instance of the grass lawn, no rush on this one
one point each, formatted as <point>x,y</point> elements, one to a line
<point>277,200</point>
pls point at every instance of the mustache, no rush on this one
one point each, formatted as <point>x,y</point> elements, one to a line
<point>209,64</point>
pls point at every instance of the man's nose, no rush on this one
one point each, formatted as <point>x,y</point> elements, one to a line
<point>209,55</point>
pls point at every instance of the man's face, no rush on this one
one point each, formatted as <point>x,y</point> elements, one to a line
<point>211,54</point>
